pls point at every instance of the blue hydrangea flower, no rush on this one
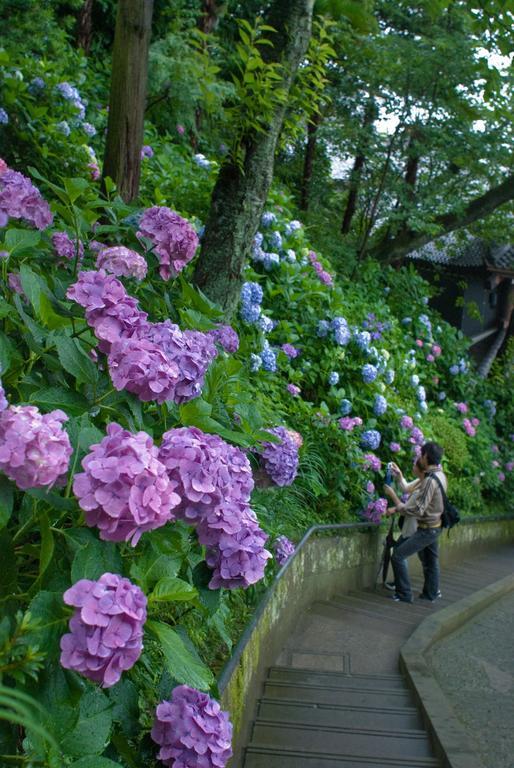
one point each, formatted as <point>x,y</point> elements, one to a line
<point>63,128</point>
<point>89,129</point>
<point>257,240</point>
<point>290,256</point>
<point>421,393</point>
<point>266,324</point>
<point>200,231</point>
<point>454,370</point>
<point>423,406</point>
<point>258,254</point>
<point>36,85</point>
<point>275,239</point>
<point>425,320</point>
<point>270,260</point>
<point>442,395</point>
<point>250,313</point>
<point>269,358</point>
<point>255,362</point>
<point>323,328</point>
<point>68,92</point>
<point>387,290</point>
<point>380,405</point>
<point>268,218</point>
<point>371,439</point>
<point>363,340</point>
<point>369,373</point>
<point>345,407</point>
<point>414,380</point>
<point>333,378</point>
<point>293,226</point>
<point>389,376</point>
<point>490,406</point>
<point>4,117</point>
<point>463,365</point>
<point>406,320</point>
<point>201,161</point>
<point>251,293</point>
<point>342,333</point>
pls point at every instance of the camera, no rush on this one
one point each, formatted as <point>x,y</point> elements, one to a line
<point>388,475</point>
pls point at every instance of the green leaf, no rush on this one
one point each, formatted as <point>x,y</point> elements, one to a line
<point>6,351</point>
<point>95,558</point>
<point>172,588</point>
<point>153,566</point>
<point>19,240</point>
<point>47,543</point>
<point>94,762</point>
<point>75,187</point>
<point>58,397</point>
<point>6,501</point>
<point>74,360</point>
<point>5,308</point>
<point>31,284</point>
<point>52,616</point>
<point>91,734</point>
<point>180,662</point>
<point>124,696</point>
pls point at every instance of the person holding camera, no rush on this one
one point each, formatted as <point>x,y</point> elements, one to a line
<point>426,506</point>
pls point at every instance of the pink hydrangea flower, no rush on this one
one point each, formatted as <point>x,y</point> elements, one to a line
<point>192,731</point>
<point>509,466</point>
<point>125,489</point>
<point>20,199</point>
<point>371,462</point>
<point>419,343</point>
<point>462,407</point>
<point>436,350</point>
<point>280,460</point>
<point>3,166</point>
<point>180,129</point>
<point>94,171</point>
<point>35,450</point>
<point>475,422</point>
<point>106,630</point>
<point>122,262</point>
<point>173,238</point>
<point>469,428</point>
<point>430,358</point>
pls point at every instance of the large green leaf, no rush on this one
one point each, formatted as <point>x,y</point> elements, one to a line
<point>95,558</point>
<point>74,360</point>
<point>152,566</point>
<point>19,240</point>
<point>182,665</point>
<point>171,588</point>
<point>91,734</point>
<point>94,762</point>
<point>6,500</point>
<point>47,543</point>
<point>59,397</point>
<point>52,616</point>
<point>6,351</point>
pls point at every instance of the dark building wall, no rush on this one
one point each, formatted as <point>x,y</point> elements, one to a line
<point>479,294</point>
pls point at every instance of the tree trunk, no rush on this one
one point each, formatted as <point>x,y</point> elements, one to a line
<point>310,151</point>
<point>122,160</point>
<point>409,240</point>
<point>240,192</point>
<point>358,165</point>
<point>209,16</point>
<point>85,26</point>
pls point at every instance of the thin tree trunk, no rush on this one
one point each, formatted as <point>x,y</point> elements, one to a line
<point>240,191</point>
<point>209,16</point>
<point>85,26</point>
<point>409,240</point>
<point>358,165</point>
<point>308,164</point>
<point>122,160</point>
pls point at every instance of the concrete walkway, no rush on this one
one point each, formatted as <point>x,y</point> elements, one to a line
<point>475,668</point>
<point>336,697</point>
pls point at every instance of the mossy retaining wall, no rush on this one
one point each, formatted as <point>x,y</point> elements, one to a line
<point>321,567</point>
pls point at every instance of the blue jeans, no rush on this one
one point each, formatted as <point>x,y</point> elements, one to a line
<point>426,543</point>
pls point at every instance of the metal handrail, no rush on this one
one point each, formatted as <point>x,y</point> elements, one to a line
<point>229,667</point>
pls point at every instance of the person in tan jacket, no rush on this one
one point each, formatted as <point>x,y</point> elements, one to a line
<point>426,506</point>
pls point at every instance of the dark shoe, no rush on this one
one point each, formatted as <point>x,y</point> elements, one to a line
<point>390,585</point>
<point>397,599</point>
<point>422,596</point>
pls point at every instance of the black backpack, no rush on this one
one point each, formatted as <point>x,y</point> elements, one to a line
<point>451,515</point>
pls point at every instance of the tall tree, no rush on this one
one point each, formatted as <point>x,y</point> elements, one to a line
<point>122,159</point>
<point>85,26</point>
<point>370,116</point>
<point>308,161</point>
<point>245,177</point>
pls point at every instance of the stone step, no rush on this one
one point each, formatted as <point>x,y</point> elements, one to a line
<point>342,741</point>
<point>386,608</point>
<point>336,679</point>
<point>271,757</point>
<point>349,696</point>
<point>370,620</point>
<point>290,711</point>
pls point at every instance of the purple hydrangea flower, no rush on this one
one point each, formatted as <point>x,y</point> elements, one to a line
<point>122,262</point>
<point>395,447</point>
<point>284,548</point>
<point>369,373</point>
<point>14,283</point>
<point>370,439</point>
<point>174,239</point>
<point>65,247</point>
<point>3,399</point>
<point>4,117</point>
<point>146,152</point>
<point>125,489</point>
<point>106,630</point>
<point>280,460</point>
<point>239,559</point>
<point>35,450</point>
<point>406,422</point>
<point>206,471</point>
<point>226,337</point>
<point>20,199</point>
<point>141,367</point>
<point>348,424</point>
<point>380,405</point>
<point>192,731</point>
<point>372,462</point>
<point>375,510</point>
<point>416,436</point>
<point>293,390</point>
<point>290,351</point>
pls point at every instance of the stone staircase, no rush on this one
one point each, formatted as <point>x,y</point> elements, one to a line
<point>336,698</point>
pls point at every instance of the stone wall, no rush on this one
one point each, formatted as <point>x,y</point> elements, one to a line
<point>323,566</point>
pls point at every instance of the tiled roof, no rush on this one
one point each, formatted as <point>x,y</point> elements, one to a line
<point>465,251</point>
